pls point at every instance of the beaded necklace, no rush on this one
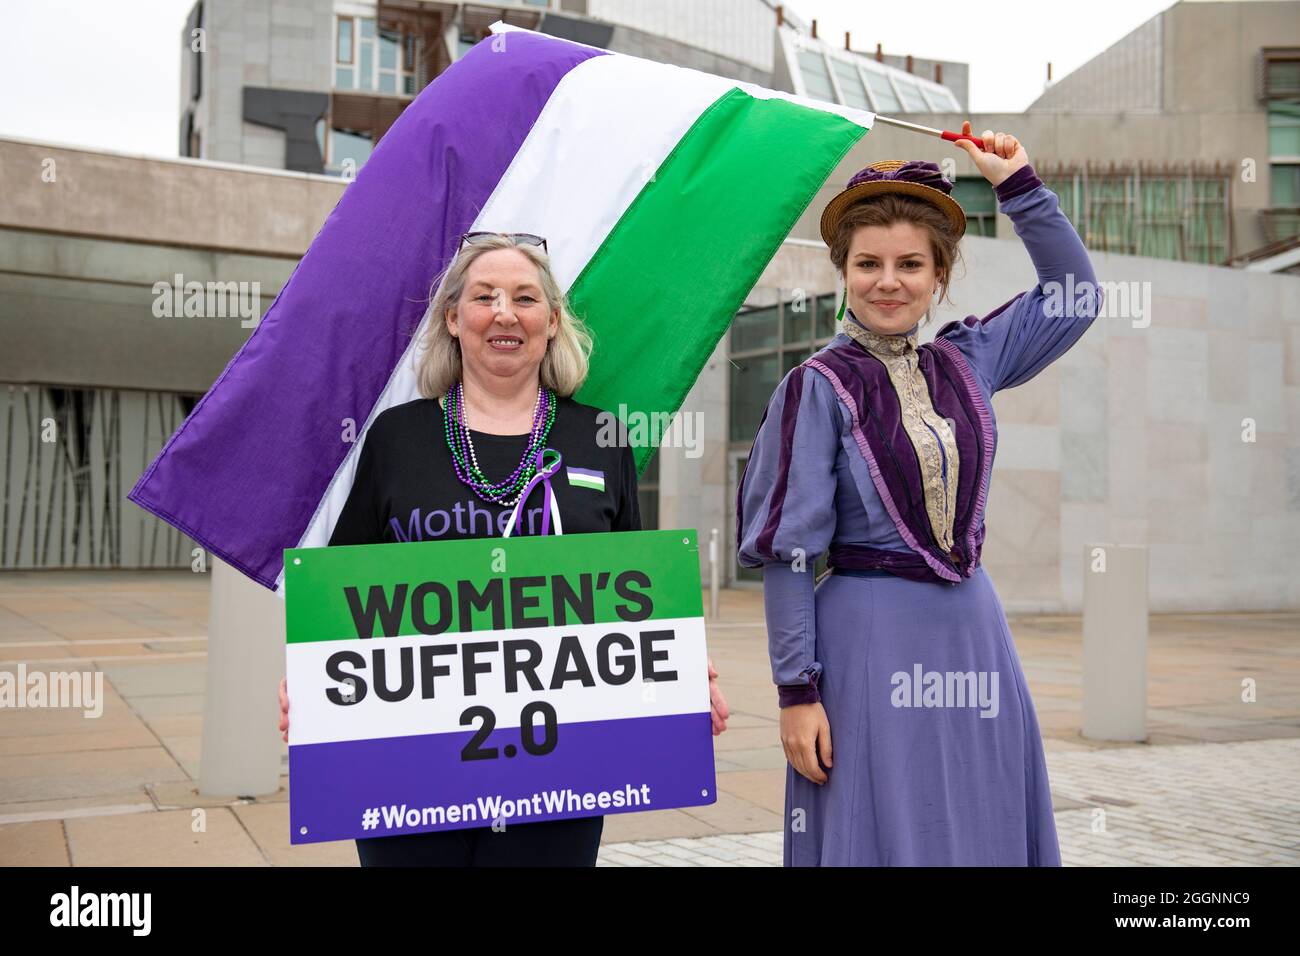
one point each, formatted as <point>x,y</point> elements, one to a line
<point>456,426</point>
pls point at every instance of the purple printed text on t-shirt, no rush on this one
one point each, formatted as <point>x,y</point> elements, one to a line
<point>439,522</point>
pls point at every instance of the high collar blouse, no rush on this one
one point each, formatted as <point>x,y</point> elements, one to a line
<point>931,434</point>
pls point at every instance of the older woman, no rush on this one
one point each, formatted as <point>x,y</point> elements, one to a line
<point>499,365</point>
<point>879,450</point>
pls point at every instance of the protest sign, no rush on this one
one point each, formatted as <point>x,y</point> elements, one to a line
<point>449,684</point>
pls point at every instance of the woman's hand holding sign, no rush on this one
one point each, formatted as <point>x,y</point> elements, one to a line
<point>284,709</point>
<point>717,703</point>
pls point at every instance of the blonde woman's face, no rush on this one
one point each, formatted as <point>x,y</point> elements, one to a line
<point>890,275</point>
<point>501,318</point>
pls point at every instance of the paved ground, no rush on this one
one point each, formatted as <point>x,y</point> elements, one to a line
<point>1235,804</point>
<point>1215,783</point>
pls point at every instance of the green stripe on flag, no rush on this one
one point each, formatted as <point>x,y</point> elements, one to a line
<point>668,279</point>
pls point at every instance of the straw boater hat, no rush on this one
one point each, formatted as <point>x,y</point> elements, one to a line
<point>920,179</point>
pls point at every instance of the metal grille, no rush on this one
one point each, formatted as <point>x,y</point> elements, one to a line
<point>70,457</point>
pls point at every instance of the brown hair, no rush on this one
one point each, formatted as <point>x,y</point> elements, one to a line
<point>891,208</point>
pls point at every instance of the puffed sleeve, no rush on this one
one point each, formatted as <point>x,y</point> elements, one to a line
<point>360,521</point>
<point>1017,340</point>
<point>785,519</point>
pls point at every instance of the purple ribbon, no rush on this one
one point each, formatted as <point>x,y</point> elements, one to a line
<point>543,475</point>
<point>916,171</point>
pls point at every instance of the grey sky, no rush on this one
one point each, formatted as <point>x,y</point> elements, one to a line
<point>106,74</point>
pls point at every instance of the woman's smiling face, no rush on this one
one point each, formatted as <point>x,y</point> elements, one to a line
<point>890,275</point>
<point>502,318</point>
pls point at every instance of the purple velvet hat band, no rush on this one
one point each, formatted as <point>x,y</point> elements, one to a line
<point>916,171</point>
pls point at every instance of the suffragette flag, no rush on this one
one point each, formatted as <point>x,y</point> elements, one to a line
<point>662,192</point>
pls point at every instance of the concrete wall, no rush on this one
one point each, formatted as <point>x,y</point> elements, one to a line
<point>282,45</point>
<point>651,46</point>
<point>738,30</point>
<point>80,256</point>
<point>1127,76</point>
<point>1193,57</point>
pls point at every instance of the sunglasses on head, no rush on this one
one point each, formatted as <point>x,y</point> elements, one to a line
<point>527,238</point>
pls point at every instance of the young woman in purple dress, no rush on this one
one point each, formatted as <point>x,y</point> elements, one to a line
<point>910,734</point>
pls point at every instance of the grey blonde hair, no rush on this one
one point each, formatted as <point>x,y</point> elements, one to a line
<point>564,367</point>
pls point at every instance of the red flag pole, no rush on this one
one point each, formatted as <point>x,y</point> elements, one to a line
<point>931,131</point>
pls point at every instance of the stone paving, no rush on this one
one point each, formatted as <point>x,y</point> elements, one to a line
<point>1234,804</point>
<point>1213,783</point>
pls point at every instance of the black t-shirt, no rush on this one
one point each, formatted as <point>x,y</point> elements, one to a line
<point>406,488</point>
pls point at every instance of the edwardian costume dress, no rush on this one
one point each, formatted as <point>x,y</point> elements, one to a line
<point>879,451</point>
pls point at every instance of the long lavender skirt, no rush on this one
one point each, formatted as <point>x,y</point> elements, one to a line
<point>921,785</point>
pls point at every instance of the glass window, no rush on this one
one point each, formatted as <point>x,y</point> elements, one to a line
<point>466,41</point>
<point>367,28</point>
<point>755,329</point>
<point>912,101</point>
<point>850,84</point>
<point>388,44</point>
<point>345,40</point>
<point>815,78</point>
<point>980,203</point>
<point>387,82</point>
<point>1285,184</point>
<point>408,84</point>
<point>937,99</point>
<point>345,145</point>
<point>366,73</point>
<point>753,380</point>
<point>1284,78</point>
<point>881,92</point>
<point>1284,129</point>
<point>792,357</point>
<point>797,320</point>
<point>827,306</point>
<point>343,77</point>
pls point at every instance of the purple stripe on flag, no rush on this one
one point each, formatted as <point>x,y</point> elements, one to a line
<point>332,785</point>
<point>587,473</point>
<point>245,472</point>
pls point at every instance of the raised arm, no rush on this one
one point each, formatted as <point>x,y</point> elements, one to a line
<point>1020,338</point>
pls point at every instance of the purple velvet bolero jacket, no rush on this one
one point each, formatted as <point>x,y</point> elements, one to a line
<point>832,468</point>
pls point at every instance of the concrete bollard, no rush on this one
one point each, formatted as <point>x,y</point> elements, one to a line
<point>1115,610</point>
<point>241,747</point>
